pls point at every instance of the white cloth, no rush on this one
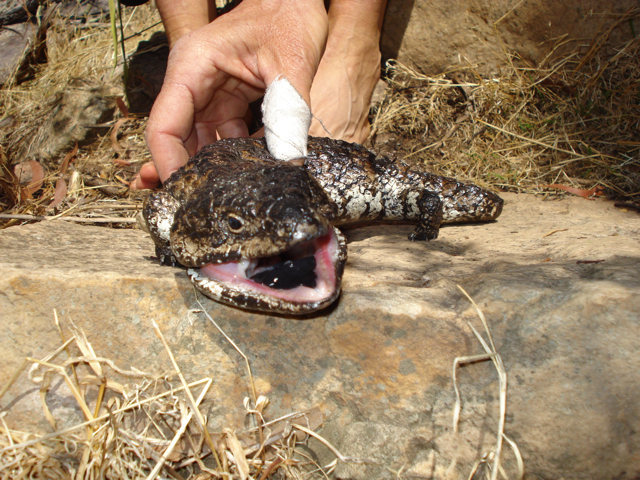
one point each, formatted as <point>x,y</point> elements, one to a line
<point>286,117</point>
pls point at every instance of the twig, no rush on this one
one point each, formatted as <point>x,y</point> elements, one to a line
<point>38,218</point>
<point>490,354</point>
<point>187,391</point>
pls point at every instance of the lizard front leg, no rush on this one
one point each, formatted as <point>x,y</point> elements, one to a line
<point>429,206</point>
<point>159,210</point>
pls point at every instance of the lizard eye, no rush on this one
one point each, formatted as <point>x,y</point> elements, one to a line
<point>235,223</point>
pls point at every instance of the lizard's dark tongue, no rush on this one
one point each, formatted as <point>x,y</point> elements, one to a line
<point>304,274</point>
<point>288,274</point>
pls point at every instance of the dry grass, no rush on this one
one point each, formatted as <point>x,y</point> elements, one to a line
<point>573,120</point>
<point>137,425</point>
<point>40,121</point>
<point>491,461</point>
<point>142,426</point>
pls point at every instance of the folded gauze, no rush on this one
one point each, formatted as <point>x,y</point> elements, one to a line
<point>286,117</point>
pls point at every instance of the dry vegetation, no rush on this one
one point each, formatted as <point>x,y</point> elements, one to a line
<point>75,97</point>
<point>573,120</point>
<point>130,424</point>
<point>136,425</point>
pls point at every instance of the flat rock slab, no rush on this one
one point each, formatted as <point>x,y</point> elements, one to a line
<point>557,279</point>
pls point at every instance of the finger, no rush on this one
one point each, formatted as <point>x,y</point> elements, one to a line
<point>233,128</point>
<point>229,110</point>
<point>170,125</point>
<point>146,178</point>
<point>300,76</point>
<point>189,85</point>
<point>296,57</point>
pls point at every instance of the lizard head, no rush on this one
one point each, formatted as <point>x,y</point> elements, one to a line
<point>254,234</point>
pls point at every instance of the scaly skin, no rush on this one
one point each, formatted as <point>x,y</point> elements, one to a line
<point>367,188</point>
<point>236,209</point>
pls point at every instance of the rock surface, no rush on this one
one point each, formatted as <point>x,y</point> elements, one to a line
<point>76,114</point>
<point>16,43</point>
<point>17,11</point>
<point>23,33</point>
<point>438,35</point>
<point>556,279</point>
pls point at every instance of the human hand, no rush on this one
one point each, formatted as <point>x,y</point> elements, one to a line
<point>215,72</point>
<point>349,70</point>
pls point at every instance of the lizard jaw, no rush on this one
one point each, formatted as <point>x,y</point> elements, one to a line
<point>301,280</point>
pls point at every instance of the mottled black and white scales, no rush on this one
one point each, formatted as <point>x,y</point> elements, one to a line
<point>260,234</point>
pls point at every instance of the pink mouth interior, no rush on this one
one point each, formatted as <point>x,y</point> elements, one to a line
<point>236,274</point>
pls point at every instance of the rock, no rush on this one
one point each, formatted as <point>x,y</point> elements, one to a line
<point>23,43</point>
<point>76,113</point>
<point>438,35</point>
<point>17,42</point>
<point>556,278</point>
<point>82,10</point>
<point>17,11</point>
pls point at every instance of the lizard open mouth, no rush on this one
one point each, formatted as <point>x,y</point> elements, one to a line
<point>302,279</point>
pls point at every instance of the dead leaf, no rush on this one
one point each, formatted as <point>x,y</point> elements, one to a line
<point>592,192</point>
<point>60,193</point>
<point>61,184</point>
<point>68,158</point>
<point>30,176</point>
<point>124,110</point>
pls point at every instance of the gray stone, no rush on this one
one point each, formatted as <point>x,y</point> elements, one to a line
<point>17,11</point>
<point>83,10</point>
<point>16,43</point>
<point>75,114</point>
<point>556,279</point>
<point>22,35</point>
